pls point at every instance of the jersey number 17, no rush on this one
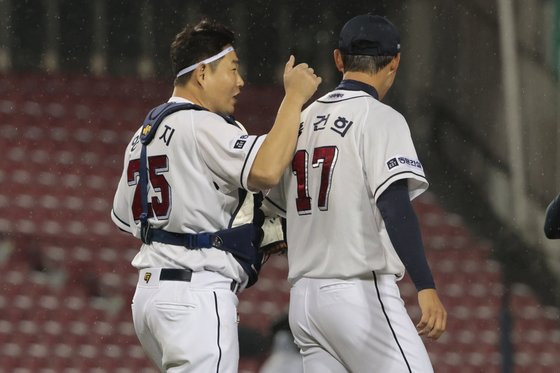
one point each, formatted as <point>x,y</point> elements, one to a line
<point>324,156</point>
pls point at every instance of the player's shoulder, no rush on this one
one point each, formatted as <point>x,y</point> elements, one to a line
<point>383,111</point>
<point>200,120</point>
<point>382,120</point>
<point>197,116</point>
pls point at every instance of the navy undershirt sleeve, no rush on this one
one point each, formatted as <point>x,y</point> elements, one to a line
<point>404,231</point>
<point>552,219</point>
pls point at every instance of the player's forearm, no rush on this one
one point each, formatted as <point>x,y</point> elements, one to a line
<point>277,150</point>
<point>552,219</point>
<point>404,231</point>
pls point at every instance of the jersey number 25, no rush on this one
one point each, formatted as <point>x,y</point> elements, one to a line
<point>324,156</point>
<point>158,165</point>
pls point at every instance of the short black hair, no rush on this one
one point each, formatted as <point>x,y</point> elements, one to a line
<point>365,64</point>
<point>196,43</point>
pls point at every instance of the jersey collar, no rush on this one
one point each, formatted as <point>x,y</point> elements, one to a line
<point>354,85</point>
<point>228,118</point>
<point>179,99</point>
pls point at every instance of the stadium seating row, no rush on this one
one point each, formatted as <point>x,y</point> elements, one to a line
<point>67,280</point>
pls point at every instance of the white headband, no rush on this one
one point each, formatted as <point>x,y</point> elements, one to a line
<point>215,57</point>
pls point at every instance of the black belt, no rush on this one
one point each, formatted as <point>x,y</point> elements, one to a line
<point>178,274</point>
<point>175,274</point>
<point>192,241</point>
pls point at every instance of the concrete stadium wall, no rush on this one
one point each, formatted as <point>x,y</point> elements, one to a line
<point>452,92</point>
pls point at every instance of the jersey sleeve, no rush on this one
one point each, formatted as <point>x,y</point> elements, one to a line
<point>389,155</point>
<point>121,212</point>
<point>228,152</point>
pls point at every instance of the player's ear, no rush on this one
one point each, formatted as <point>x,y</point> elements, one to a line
<point>199,74</point>
<point>338,60</point>
<point>394,64</point>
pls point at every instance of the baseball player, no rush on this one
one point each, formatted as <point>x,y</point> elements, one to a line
<point>552,219</point>
<point>186,192</point>
<point>351,228</point>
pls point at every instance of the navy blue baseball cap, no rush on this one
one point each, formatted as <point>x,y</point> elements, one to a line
<point>369,35</point>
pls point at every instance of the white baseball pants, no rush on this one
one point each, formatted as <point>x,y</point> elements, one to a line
<point>187,326</point>
<point>357,326</point>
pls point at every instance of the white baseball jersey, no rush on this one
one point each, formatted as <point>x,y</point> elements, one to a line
<point>197,162</point>
<point>351,148</point>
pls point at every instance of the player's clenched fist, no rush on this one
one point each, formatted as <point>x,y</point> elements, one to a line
<point>300,81</point>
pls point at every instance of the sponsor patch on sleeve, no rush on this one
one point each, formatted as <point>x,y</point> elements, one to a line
<point>403,161</point>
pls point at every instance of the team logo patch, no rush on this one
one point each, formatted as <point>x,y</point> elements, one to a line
<point>146,129</point>
<point>402,161</point>
<point>239,144</point>
<point>147,277</point>
<point>335,95</point>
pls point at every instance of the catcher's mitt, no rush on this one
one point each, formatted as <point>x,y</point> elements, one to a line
<point>274,238</point>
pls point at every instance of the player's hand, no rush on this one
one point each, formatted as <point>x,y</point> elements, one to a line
<point>300,81</point>
<point>434,316</point>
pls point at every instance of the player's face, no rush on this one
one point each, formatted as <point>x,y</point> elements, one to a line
<point>224,84</point>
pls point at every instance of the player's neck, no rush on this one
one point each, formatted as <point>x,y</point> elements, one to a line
<point>372,79</point>
<point>188,93</point>
<point>381,81</point>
